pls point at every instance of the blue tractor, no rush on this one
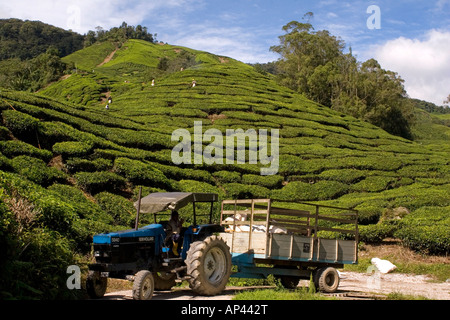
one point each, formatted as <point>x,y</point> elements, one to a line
<point>147,255</point>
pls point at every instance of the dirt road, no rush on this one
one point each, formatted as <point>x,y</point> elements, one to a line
<point>415,285</point>
<point>352,284</point>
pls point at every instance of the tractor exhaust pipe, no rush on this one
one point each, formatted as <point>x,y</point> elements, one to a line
<point>136,224</point>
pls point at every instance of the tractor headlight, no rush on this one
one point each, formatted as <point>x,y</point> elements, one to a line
<point>99,254</point>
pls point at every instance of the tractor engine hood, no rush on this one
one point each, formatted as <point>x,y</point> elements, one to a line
<point>148,233</point>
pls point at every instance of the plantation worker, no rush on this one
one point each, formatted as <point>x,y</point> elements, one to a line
<point>194,83</point>
<point>174,230</point>
<point>109,100</point>
<point>107,107</point>
<point>153,82</point>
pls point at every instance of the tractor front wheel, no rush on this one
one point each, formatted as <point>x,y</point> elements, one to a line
<point>143,285</point>
<point>96,285</point>
<point>209,265</point>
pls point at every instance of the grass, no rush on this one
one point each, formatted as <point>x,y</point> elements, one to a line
<point>280,294</point>
<point>401,296</point>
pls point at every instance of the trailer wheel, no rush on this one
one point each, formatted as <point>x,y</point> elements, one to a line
<point>164,280</point>
<point>143,285</point>
<point>327,280</point>
<point>209,265</point>
<point>96,285</point>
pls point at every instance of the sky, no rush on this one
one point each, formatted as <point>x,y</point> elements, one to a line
<point>410,37</point>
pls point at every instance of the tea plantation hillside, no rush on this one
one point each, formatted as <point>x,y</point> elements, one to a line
<point>71,168</point>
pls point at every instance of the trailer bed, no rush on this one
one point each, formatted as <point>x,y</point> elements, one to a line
<point>258,232</point>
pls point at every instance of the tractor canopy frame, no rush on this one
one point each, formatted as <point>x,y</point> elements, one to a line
<point>163,201</point>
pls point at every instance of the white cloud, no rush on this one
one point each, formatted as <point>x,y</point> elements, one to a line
<point>84,15</point>
<point>424,64</point>
<point>236,42</point>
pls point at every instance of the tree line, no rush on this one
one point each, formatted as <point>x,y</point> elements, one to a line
<point>314,63</point>
<point>118,34</point>
<point>431,107</point>
<point>28,39</point>
<point>32,74</point>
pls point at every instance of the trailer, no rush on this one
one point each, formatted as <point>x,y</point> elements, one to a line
<point>308,242</point>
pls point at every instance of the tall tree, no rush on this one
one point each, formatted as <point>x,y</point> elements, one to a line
<point>314,64</point>
<point>302,50</point>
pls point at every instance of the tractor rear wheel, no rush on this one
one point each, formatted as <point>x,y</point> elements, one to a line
<point>209,265</point>
<point>143,285</point>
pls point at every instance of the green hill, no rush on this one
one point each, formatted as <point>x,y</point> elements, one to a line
<point>77,166</point>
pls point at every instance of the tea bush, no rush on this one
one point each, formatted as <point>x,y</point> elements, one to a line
<point>270,182</point>
<point>95,182</point>
<point>72,148</point>
<point>241,191</point>
<point>5,134</point>
<point>347,176</point>
<point>40,271</point>
<point>426,239</point>
<point>141,173</point>
<point>19,123</point>
<point>375,233</point>
<point>34,259</point>
<point>85,208</point>
<point>302,191</point>
<point>55,131</point>
<point>76,164</point>
<point>369,213</point>
<point>13,148</point>
<point>227,176</point>
<point>52,132</point>
<point>177,173</point>
<point>79,89</point>
<point>197,186</point>
<point>118,208</point>
<point>372,184</point>
<point>5,163</point>
<point>36,170</point>
<point>426,230</point>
